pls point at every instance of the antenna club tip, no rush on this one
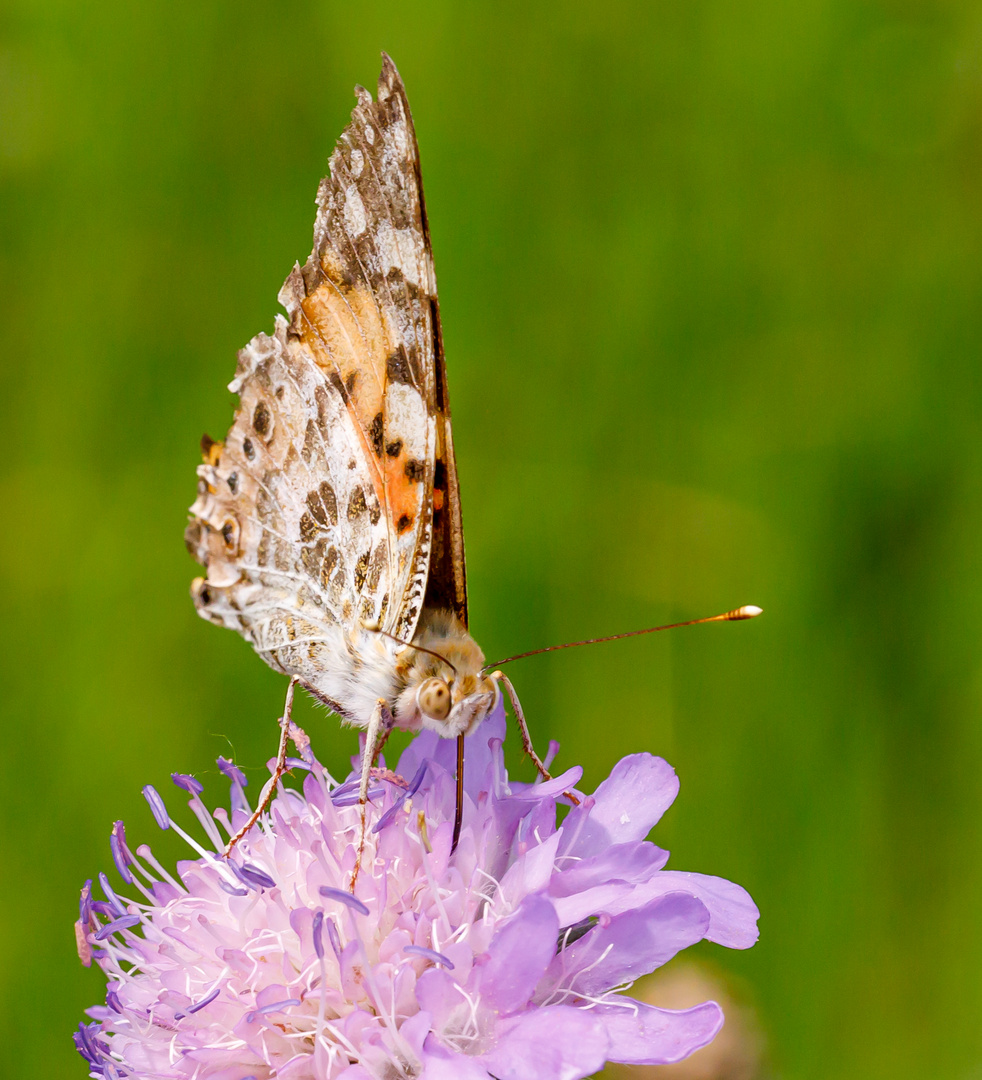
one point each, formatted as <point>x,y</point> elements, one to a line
<point>748,611</point>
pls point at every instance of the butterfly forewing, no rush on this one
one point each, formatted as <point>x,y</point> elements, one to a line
<point>336,485</point>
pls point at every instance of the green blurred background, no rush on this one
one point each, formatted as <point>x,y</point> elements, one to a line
<point>711,275</point>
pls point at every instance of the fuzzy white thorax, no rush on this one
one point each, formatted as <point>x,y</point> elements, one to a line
<point>372,666</point>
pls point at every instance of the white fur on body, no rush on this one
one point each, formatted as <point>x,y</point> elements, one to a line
<point>358,668</point>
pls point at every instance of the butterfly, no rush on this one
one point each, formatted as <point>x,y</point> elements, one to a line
<point>329,520</point>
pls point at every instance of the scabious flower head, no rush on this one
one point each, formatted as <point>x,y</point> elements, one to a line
<point>506,958</point>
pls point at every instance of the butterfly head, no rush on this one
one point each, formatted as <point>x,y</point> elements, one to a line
<point>455,706</point>
<point>445,690</point>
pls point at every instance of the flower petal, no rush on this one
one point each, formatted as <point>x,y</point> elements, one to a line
<point>640,788</point>
<point>532,873</point>
<point>555,1043</point>
<point>548,789</point>
<point>519,954</point>
<point>630,863</point>
<point>442,1064</point>
<point>355,1072</point>
<point>438,993</point>
<point>632,944</point>
<point>732,914</point>
<point>645,1035</point>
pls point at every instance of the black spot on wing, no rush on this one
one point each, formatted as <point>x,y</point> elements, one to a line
<point>397,367</point>
<point>308,528</point>
<point>262,422</point>
<point>377,435</point>
<point>321,561</point>
<point>415,470</point>
<point>323,504</point>
<point>379,558</point>
<point>356,504</point>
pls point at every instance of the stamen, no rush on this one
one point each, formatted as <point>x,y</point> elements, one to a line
<point>343,897</point>
<point>122,923</point>
<point>423,832</point>
<point>239,782</point>
<point>85,902</point>
<point>255,876</point>
<point>232,890</point>
<point>118,906</point>
<point>157,807</point>
<point>207,1000</point>
<point>550,756</point>
<point>198,808</point>
<point>233,772</point>
<point>394,809</point>
<point>347,793</point>
<point>430,954</point>
<point>188,783</point>
<point>317,928</point>
<point>121,854</point>
<point>278,1006</point>
<point>334,937</point>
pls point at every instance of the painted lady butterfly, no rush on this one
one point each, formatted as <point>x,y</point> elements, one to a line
<point>329,519</point>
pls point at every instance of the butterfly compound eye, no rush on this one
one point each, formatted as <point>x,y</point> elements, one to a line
<point>433,698</point>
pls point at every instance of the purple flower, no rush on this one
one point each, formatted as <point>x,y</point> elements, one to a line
<point>507,958</point>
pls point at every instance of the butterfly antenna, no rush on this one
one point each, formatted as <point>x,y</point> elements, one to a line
<point>420,648</point>
<point>748,611</point>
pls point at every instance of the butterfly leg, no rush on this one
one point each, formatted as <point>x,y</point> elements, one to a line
<point>523,730</point>
<point>378,731</point>
<point>266,795</point>
<point>382,740</point>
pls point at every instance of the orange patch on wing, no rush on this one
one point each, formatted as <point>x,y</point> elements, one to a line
<point>349,339</point>
<point>211,450</point>
<point>346,335</point>
<point>404,495</point>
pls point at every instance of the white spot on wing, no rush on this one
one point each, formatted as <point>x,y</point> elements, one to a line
<point>397,250</point>
<point>357,163</point>
<point>400,137</point>
<point>406,414</point>
<point>355,219</point>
